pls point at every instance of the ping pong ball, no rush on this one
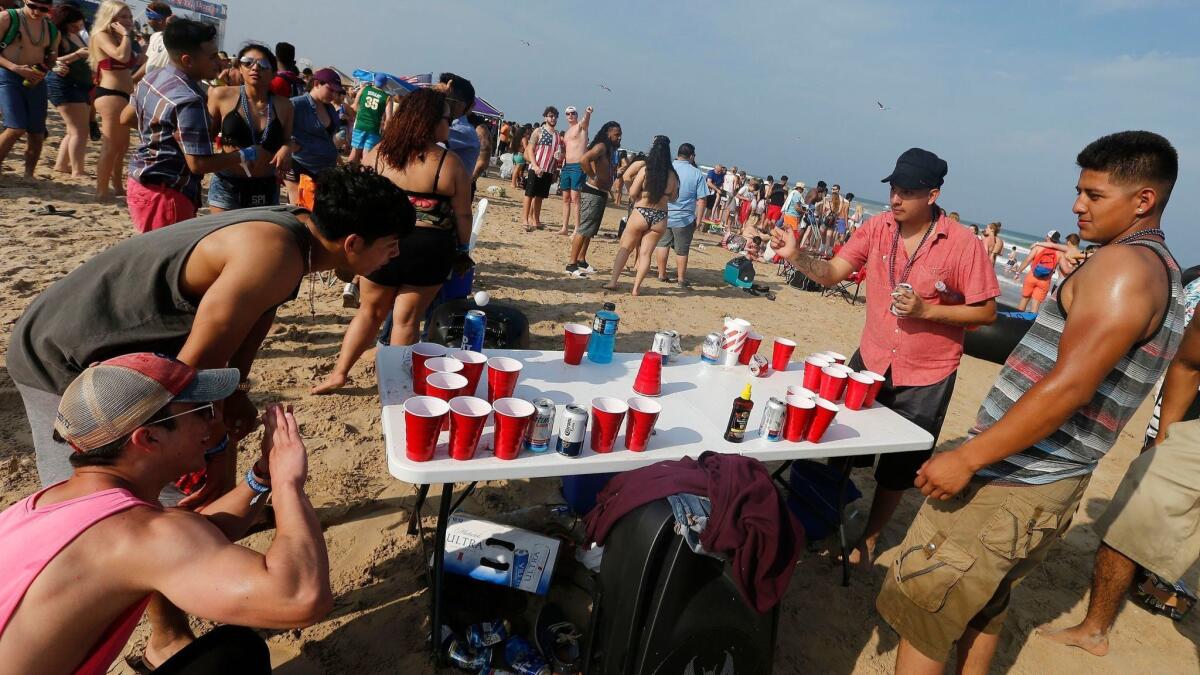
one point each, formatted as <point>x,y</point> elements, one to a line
<point>482,298</point>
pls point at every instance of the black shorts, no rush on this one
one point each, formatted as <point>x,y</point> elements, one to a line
<point>502,146</point>
<point>710,200</point>
<point>292,175</point>
<point>539,185</point>
<point>426,256</point>
<point>924,406</point>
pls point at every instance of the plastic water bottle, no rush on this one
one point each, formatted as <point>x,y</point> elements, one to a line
<point>604,334</point>
<point>950,297</point>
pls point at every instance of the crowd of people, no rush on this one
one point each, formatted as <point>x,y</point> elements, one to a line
<point>134,369</point>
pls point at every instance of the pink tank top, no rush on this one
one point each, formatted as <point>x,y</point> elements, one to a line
<point>43,533</point>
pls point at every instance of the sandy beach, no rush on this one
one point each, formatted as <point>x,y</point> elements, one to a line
<point>380,619</point>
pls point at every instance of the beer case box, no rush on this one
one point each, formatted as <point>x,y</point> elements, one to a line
<point>500,554</point>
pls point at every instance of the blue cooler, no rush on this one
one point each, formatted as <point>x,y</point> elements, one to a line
<point>580,491</point>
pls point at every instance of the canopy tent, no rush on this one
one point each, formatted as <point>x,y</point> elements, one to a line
<point>396,86</point>
<point>486,109</point>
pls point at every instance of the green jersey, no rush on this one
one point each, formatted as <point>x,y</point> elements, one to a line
<point>371,103</point>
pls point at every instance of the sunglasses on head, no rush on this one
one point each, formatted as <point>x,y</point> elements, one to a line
<point>248,62</point>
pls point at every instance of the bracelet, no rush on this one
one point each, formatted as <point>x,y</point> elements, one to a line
<point>218,448</point>
<point>464,248</point>
<point>253,484</point>
<point>244,386</point>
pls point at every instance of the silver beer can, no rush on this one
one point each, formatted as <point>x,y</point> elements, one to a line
<point>710,351</point>
<point>676,347</point>
<point>541,429</point>
<point>772,423</point>
<point>899,287</point>
<point>573,432</point>
<point>662,345</point>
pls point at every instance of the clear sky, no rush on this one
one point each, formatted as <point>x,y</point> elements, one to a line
<point>1006,92</point>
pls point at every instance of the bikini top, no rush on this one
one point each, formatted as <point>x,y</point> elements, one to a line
<point>432,209</point>
<point>237,132</point>
<point>113,64</point>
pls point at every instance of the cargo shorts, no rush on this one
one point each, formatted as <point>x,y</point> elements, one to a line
<point>962,557</point>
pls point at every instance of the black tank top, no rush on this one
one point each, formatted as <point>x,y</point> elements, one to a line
<point>237,132</point>
<point>127,299</point>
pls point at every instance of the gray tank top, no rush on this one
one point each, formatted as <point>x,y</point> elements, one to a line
<point>127,299</point>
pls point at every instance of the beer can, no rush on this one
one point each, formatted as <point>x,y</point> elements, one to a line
<point>464,657</point>
<point>662,345</point>
<point>759,366</point>
<point>895,292</point>
<point>488,633</point>
<point>523,658</point>
<point>676,347</point>
<point>710,351</point>
<point>772,423</point>
<point>541,429</point>
<point>517,571</point>
<point>573,432</point>
<point>474,324</point>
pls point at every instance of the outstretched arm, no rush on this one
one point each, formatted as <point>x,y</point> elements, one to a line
<point>824,272</point>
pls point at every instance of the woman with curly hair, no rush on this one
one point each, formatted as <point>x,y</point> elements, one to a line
<point>439,188</point>
<point>651,186</point>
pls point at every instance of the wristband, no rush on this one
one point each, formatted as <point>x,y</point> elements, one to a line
<point>248,155</point>
<point>464,248</point>
<point>218,448</point>
<point>253,484</point>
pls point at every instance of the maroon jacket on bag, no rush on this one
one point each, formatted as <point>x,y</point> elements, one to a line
<point>749,521</point>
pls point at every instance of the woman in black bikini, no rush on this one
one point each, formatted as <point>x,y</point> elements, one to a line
<point>250,115</point>
<point>114,58</point>
<point>70,88</point>
<point>440,189</point>
<point>651,187</point>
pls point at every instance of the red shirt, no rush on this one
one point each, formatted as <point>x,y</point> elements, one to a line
<point>919,352</point>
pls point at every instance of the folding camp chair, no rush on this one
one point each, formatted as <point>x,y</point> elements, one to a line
<point>843,289</point>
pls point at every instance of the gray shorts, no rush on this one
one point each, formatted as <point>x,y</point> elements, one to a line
<point>41,408</point>
<point>591,211</point>
<point>679,238</point>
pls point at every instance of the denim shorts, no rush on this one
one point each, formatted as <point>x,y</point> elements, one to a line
<point>225,192</point>
<point>64,90</point>
<point>22,107</point>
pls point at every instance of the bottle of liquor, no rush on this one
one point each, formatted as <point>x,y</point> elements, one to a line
<point>739,417</point>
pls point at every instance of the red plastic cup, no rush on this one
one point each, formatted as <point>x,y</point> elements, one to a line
<point>803,392</point>
<point>781,354</point>
<point>833,383</point>
<point>445,385</point>
<point>513,416</point>
<point>823,416</point>
<point>813,366</point>
<point>443,364</point>
<point>472,368</point>
<point>421,352</point>
<point>649,378</point>
<point>835,357</point>
<point>643,414</point>
<point>799,414</point>
<point>575,339</point>
<point>423,418</point>
<point>607,415</point>
<point>468,415</point>
<point>502,374</point>
<point>750,347</point>
<point>857,388</point>
<point>876,385</point>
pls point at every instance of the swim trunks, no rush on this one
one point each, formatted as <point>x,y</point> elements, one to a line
<point>22,107</point>
<point>538,185</point>
<point>1035,288</point>
<point>364,140</point>
<point>571,177</point>
<point>591,210</point>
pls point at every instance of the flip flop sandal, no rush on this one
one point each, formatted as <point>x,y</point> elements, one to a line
<point>1159,597</point>
<point>558,639</point>
<point>49,210</point>
<point>139,664</point>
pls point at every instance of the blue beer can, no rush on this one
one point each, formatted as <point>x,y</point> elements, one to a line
<point>474,324</point>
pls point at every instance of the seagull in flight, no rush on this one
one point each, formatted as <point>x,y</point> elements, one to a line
<point>882,106</point>
<point>604,88</point>
<point>526,43</point>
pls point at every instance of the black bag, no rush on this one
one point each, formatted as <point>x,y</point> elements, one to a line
<point>507,327</point>
<point>660,608</point>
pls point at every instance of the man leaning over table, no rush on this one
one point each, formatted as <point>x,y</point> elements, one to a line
<point>918,346</point>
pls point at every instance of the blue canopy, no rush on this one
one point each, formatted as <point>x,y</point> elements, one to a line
<point>395,86</point>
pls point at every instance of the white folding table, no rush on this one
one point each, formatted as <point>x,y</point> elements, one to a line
<point>696,398</point>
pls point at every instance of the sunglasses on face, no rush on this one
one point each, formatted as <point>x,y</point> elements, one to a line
<point>210,413</point>
<point>38,7</point>
<point>248,62</point>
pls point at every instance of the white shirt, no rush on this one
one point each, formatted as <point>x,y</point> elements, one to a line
<point>156,52</point>
<point>729,182</point>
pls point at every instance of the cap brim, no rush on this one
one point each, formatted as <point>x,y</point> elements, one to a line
<point>907,182</point>
<point>210,385</point>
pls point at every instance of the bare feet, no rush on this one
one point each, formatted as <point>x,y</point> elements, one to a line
<point>862,555</point>
<point>1077,636</point>
<point>610,286</point>
<point>563,231</point>
<point>635,291</point>
<point>331,384</point>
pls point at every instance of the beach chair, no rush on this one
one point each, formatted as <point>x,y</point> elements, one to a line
<point>843,289</point>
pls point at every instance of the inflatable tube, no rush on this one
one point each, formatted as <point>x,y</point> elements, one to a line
<point>995,342</point>
<point>507,326</point>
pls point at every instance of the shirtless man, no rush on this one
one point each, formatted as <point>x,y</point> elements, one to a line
<point>570,180</point>
<point>98,546</point>
<point>27,58</point>
<point>598,163</point>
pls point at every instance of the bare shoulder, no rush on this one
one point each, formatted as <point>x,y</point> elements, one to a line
<point>1136,264</point>
<point>145,534</point>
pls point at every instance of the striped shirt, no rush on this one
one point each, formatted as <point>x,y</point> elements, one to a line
<point>1077,446</point>
<point>172,119</point>
<point>547,149</point>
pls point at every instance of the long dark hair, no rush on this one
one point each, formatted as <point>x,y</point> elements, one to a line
<point>602,137</point>
<point>262,49</point>
<point>658,167</point>
<point>411,129</point>
<point>64,14</point>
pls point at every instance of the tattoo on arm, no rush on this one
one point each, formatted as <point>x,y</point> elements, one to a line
<point>811,266</point>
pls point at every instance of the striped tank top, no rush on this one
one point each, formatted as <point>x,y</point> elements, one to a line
<point>1077,446</point>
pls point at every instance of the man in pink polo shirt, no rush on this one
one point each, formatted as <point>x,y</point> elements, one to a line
<point>912,337</point>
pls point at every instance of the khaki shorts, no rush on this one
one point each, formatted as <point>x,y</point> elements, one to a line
<point>961,559</point>
<point>1154,517</point>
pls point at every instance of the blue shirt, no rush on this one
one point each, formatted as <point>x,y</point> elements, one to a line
<point>716,178</point>
<point>692,188</point>
<point>317,151</point>
<point>173,121</point>
<point>464,142</point>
